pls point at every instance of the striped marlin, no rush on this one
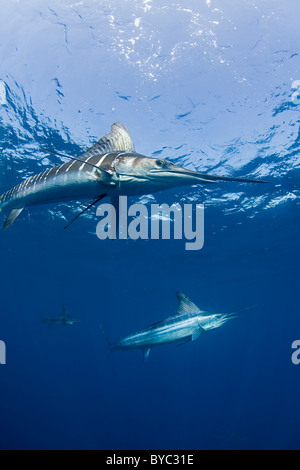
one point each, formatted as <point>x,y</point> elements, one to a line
<point>187,325</point>
<point>111,167</point>
<point>63,319</point>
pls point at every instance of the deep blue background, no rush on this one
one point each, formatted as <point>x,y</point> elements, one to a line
<point>207,84</point>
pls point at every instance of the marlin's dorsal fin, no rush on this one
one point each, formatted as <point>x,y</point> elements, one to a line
<point>118,140</point>
<point>186,306</point>
<point>64,312</point>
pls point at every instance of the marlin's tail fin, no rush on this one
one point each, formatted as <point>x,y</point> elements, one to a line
<point>110,345</point>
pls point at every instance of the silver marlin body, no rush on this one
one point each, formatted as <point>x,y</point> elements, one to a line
<point>111,167</point>
<point>63,319</point>
<point>187,325</point>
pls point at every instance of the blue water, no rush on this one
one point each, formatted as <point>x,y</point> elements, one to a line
<point>207,85</point>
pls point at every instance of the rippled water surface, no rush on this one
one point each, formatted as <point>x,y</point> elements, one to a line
<point>209,86</point>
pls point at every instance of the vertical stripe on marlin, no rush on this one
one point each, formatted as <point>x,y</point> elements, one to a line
<point>70,165</point>
<point>97,163</point>
<point>106,163</point>
<point>86,161</point>
<point>40,176</point>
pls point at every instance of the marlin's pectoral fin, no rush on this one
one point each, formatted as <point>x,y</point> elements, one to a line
<point>146,354</point>
<point>84,210</point>
<point>192,337</point>
<point>197,333</point>
<point>12,217</point>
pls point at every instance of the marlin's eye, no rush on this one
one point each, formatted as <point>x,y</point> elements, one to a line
<point>160,163</point>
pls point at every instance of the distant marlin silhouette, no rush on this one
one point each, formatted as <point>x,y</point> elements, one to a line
<point>63,319</point>
<point>187,325</point>
<point>111,167</point>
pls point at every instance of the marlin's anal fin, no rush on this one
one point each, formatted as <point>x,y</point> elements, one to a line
<point>12,217</point>
<point>146,354</point>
